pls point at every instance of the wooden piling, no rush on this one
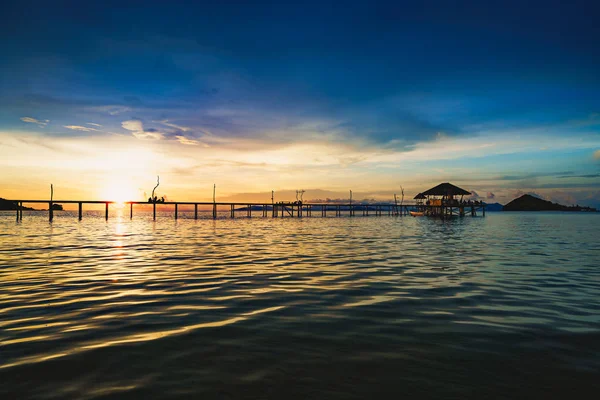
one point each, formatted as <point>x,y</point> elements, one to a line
<point>175,210</point>
<point>50,210</point>
<point>154,211</point>
<point>106,211</point>
<point>80,211</point>
<point>195,211</point>
<point>130,210</point>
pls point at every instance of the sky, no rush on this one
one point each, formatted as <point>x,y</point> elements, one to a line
<point>500,98</point>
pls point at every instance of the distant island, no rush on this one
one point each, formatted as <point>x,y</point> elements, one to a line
<point>528,202</point>
<point>7,205</point>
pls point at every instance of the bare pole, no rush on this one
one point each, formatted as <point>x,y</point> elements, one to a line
<point>214,201</point>
<point>272,204</point>
<point>351,213</point>
<point>402,201</point>
<point>50,210</point>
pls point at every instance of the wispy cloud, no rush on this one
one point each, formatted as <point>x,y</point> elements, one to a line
<point>110,109</point>
<point>40,123</point>
<point>175,126</point>
<point>190,142</point>
<point>137,129</point>
<point>81,128</point>
<point>579,176</point>
<point>92,124</point>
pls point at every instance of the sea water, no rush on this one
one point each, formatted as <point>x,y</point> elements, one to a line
<point>502,306</point>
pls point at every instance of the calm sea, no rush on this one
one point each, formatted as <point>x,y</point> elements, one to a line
<point>506,306</point>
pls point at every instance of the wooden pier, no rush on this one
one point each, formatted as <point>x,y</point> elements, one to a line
<point>274,210</point>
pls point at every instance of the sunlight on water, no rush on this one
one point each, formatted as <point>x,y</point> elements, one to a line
<point>192,308</point>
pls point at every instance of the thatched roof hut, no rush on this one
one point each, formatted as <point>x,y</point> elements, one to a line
<point>447,190</point>
<point>420,196</point>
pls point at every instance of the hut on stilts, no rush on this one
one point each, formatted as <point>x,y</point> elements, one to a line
<point>443,201</point>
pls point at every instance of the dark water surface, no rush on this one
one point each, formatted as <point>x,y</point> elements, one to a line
<point>506,306</point>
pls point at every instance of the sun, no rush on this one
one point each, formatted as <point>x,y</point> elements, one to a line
<point>119,192</point>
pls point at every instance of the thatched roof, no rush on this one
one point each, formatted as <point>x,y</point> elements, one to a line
<point>445,189</point>
<point>420,196</point>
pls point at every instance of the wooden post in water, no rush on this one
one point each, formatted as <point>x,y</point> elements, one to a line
<point>154,211</point>
<point>50,210</point>
<point>18,211</point>
<point>130,210</point>
<point>273,203</point>
<point>195,211</point>
<point>214,201</point>
<point>80,211</point>
<point>175,210</point>
<point>351,213</point>
<point>106,211</point>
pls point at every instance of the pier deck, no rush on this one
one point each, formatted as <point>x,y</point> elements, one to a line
<point>275,210</point>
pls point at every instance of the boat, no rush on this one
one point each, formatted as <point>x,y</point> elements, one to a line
<point>417,213</point>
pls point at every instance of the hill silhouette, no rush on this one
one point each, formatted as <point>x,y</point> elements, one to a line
<point>528,202</point>
<point>493,207</point>
<point>8,205</point>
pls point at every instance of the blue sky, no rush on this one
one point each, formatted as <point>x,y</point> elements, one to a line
<point>499,98</point>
